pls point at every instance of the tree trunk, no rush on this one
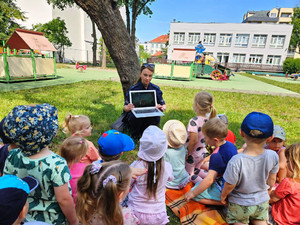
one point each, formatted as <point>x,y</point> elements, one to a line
<point>107,17</point>
<point>103,55</point>
<point>94,45</point>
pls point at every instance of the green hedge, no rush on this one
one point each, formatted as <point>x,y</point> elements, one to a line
<point>291,65</point>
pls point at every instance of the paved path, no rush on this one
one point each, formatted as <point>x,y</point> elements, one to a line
<point>237,83</point>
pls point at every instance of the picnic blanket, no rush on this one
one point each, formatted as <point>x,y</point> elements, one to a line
<point>192,212</point>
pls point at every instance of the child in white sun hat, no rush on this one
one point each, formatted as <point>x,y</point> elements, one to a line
<point>147,197</point>
<point>176,153</point>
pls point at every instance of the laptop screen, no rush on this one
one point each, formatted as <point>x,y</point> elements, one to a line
<point>142,99</point>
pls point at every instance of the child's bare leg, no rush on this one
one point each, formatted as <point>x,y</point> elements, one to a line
<point>209,202</point>
<point>240,223</point>
<point>259,222</point>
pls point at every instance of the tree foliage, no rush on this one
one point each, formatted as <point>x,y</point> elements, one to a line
<point>295,38</point>
<point>56,32</point>
<point>143,54</point>
<point>9,12</point>
<point>291,65</point>
<point>135,8</point>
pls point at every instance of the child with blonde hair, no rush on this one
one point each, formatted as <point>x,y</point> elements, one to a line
<point>285,198</point>
<point>204,109</point>
<point>72,150</point>
<point>80,125</point>
<point>147,197</point>
<point>100,190</point>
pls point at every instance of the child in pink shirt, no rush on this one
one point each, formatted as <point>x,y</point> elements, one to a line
<point>73,149</point>
<point>80,125</point>
<point>147,197</point>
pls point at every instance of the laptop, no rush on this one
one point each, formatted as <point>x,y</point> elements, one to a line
<point>144,102</point>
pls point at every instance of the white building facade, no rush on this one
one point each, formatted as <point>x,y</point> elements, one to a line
<point>265,44</point>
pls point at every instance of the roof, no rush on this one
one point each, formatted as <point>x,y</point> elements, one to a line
<point>27,39</point>
<point>161,39</point>
<point>158,53</point>
<point>262,15</point>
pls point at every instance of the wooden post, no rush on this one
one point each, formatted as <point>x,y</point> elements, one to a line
<point>103,55</point>
<point>54,60</point>
<point>33,63</point>
<point>6,66</point>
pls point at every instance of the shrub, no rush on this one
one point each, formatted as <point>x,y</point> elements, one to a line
<point>291,65</point>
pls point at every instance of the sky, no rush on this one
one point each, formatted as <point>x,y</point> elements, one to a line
<point>200,11</point>
<point>164,11</point>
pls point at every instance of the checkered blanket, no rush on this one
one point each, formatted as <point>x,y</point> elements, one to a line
<point>192,212</point>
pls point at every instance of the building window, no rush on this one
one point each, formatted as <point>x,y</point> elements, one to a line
<point>152,45</point>
<point>194,38</point>
<point>241,40</point>
<point>225,39</point>
<point>179,38</point>
<point>239,58</point>
<point>259,41</point>
<point>288,15</point>
<point>256,59</point>
<point>209,39</point>
<point>222,57</point>
<point>273,15</point>
<point>277,41</point>
<point>273,59</point>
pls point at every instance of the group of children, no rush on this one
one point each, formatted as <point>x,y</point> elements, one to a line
<point>90,185</point>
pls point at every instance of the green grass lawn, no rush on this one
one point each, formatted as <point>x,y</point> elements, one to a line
<point>286,84</point>
<point>102,102</point>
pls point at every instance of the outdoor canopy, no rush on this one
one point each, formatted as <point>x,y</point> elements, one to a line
<point>27,39</point>
<point>183,54</point>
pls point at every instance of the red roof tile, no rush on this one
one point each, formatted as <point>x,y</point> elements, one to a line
<point>158,53</point>
<point>161,39</point>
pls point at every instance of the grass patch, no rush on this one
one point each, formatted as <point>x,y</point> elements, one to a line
<point>288,86</point>
<point>102,102</point>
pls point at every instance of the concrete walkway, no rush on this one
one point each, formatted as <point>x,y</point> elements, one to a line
<point>237,83</point>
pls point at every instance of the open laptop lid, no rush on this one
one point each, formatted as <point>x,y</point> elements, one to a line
<point>143,99</point>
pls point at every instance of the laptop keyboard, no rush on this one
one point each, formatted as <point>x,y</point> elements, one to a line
<point>145,111</point>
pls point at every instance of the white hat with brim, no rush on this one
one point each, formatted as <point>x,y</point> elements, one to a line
<point>153,144</point>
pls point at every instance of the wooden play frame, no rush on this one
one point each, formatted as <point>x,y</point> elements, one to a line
<point>17,67</point>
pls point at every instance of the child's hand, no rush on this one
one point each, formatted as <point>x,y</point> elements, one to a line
<point>137,172</point>
<point>223,199</point>
<point>188,196</point>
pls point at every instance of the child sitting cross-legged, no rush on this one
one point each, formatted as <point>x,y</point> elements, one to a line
<point>147,197</point>
<point>176,152</point>
<point>250,174</point>
<point>208,191</point>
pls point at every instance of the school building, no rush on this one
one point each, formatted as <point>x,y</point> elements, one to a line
<point>244,46</point>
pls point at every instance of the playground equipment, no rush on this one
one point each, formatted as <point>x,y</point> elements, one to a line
<point>80,67</point>
<point>181,68</point>
<point>207,65</point>
<point>28,60</point>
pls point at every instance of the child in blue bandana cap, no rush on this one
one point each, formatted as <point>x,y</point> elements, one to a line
<point>32,128</point>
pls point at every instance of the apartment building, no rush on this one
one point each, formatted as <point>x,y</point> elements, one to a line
<point>276,16</point>
<point>155,46</point>
<point>242,43</point>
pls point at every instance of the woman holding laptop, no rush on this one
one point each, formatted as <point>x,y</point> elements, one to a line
<point>138,125</point>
